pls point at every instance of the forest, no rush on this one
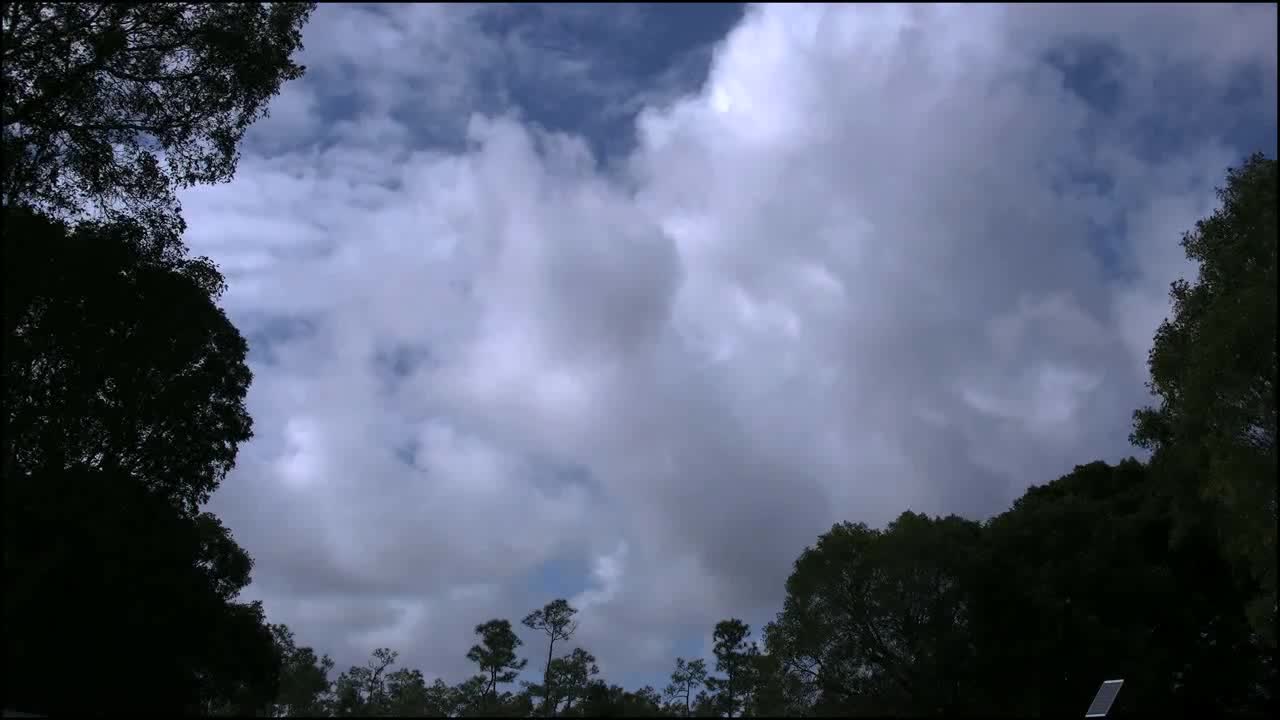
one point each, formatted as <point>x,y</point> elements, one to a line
<point>125,387</point>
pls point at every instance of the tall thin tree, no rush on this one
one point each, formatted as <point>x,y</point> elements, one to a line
<point>555,619</point>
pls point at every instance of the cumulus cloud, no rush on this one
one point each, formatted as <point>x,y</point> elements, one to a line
<point>880,258</point>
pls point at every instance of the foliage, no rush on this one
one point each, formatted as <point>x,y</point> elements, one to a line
<point>688,677</point>
<point>362,691</point>
<point>555,620</point>
<point>470,697</point>
<point>570,676</point>
<point>878,620</point>
<point>124,382</point>
<point>112,107</point>
<point>1087,561</point>
<point>776,692</point>
<point>735,657</point>
<point>124,386</point>
<point>1213,367</point>
<point>304,679</point>
<point>496,656</point>
<point>118,358</point>
<point>606,700</point>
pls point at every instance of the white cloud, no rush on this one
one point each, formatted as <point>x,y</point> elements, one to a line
<point>855,273</point>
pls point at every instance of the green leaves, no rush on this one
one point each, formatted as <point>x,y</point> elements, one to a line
<point>879,614</point>
<point>1088,560</point>
<point>1213,366</point>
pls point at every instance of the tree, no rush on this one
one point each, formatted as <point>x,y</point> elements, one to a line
<point>1087,561</point>
<point>363,690</point>
<point>1213,368</point>
<point>605,700</point>
<point>496,656</point>
<point>686,679</point>
<point>776,693</point>
<point>441,700</point>
<point>567,682</point>
<point>735,657</point>
<point>573,674</point>
<point>124,390</point>
<point>646,700</point>
<point>117,357</point>
<point>470,696</point>
<point>241,674</point>
<point>304,678</point>
<point>555,619</point>
<point>114,107</point>
<point>408,694</point>
<point>518,705</point>
<point>877,621</point>
<point>705,705</point>
<point>157,587</point>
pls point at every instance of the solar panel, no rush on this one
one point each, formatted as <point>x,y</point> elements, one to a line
<point>1103,700</point>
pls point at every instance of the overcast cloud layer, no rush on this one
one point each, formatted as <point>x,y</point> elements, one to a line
<point>628,307</point>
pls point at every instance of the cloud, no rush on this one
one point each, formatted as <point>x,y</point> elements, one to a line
<point>878,258</point>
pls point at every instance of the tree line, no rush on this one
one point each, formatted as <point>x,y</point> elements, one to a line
<point>124,388</point>
<point>1090,577</point>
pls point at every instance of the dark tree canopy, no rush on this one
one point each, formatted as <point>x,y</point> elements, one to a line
<point>877,621</point>
<point>1213,367</point>
<point>363,691</point>
<point>1087,559</point>
<point>496,656</point>
<point>124,383</point>
<point>570,676</point>
<point>606,700</point>
<point>124,387</point>
<point>735,655</point>
<point>118,358</point>
<point>112,107</point>
<point>97,563</point>
<point>304,678</point>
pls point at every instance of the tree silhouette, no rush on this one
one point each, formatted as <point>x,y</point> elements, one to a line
<point>124,393</point>
<point>555,619</point>
<point>1213,366</point>
<point>112,107</point>
<point>496,656</point>
<point>118,358</point>
<point>304,678</point>
<point>686,679</point>
<point>1086,559</point>
<point>569,678</point>
<point>735,657</point>
<point>876,621</point>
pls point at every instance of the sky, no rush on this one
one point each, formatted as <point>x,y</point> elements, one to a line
<point>628,304</point>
